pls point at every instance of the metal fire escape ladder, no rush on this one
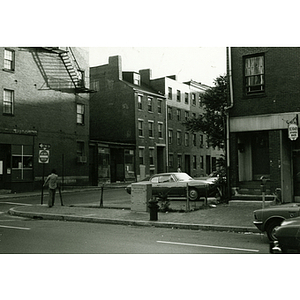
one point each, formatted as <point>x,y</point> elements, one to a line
<point>73,68</point>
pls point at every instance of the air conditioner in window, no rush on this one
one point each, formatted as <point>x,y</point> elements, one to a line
<point>81,159</point>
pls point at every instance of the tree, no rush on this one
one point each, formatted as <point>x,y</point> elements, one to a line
<point>213,121</point>
<point>213,124</point>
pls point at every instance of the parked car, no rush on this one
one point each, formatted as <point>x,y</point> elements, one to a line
<point>288,237</point>
<point>175,184</point>
<point>269,218</point>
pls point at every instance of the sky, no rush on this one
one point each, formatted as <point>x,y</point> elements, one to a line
<point>201,64</point>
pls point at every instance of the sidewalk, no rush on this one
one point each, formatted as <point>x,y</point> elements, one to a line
<point>236,216</point>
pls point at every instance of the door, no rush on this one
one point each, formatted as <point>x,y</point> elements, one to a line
<point>5,166</point>
<point>117,165</point>
<point>187,164</point>
<point>160,160</point>
<point>296,173</point>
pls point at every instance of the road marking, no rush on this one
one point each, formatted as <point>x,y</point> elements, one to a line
<point>208,246</point>
<point>15,203</point>
<point>12,227</point>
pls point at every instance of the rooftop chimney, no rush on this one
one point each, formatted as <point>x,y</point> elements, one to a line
<point>146,75</point>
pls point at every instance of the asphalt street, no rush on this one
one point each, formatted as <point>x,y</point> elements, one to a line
<point>22,236</point>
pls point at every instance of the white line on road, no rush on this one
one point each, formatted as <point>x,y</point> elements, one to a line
<point>207,246</point>
<point>12,227</point>
<point>15,203</point>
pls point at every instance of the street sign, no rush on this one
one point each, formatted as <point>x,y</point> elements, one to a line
<point>293,131</point>
<point>44,156</point>
<point>44,146</point>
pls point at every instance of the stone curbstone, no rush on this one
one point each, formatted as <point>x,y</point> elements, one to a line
<point>72,218</point>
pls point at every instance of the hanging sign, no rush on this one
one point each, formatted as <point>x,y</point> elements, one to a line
<point>293,131</point>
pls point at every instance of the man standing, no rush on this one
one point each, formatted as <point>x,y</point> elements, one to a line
<point>51,180</point>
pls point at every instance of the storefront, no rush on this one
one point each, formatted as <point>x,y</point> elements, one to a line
<point>261,146</point>
<point>111,163</point>
<point>16,160</point>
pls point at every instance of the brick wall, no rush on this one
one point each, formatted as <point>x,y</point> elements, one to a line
<point>282,76</point>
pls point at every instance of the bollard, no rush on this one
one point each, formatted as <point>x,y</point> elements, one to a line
<point>153,207</point>
<point>101,197</point>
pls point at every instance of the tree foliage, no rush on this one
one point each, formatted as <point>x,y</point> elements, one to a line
<point>213,121</point>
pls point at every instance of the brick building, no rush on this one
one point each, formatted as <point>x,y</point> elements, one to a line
<point>188,150</point>
<point>127,125</point>
<point>136,125</point>
<point>45,105</point>
<point>265,106</point>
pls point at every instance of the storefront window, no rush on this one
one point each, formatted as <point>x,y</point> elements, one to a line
<point>22,162</point>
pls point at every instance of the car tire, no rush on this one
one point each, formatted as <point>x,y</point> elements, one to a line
<point>193,194</point>
<point>270,229</point>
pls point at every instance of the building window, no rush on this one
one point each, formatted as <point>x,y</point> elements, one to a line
<point>151,156</point>
<point>159,104</point>
<point>22,162</point>
<point>9,59</point>
<point>200,100</point>
<point>150,101</point>
<point>186,115</point>
<point>8,102</point>
<point>186,98</point>
<point>80,149</point>
<point>179,160</point>
<point>136,79</point>
<point>170,93</point>
<point>194,139</point>
<point>170,136</point>
<point>178,96</point>
<point>80,114</point>
<point>178,137</point>
<point>178,113</point>
<point>141,156</point>
<point>254,74</point>
<point>169,113</point>
<point>140,128</point>
<point>194,162</point>
<point>171,160</point>
<point>160,130</point>
<point>140,102</point>
<point>214,163</point>
<point>186,139</point>
<point>193,98</point>
<point>150,127</point>
<point>201,141</point>
<point>95,85</point>
<point>202,162</point>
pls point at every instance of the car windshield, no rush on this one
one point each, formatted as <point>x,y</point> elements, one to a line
<point>183,177</point>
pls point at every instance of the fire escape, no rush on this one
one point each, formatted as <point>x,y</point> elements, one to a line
<point>60,69</point>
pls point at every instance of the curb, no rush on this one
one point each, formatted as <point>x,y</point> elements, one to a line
<point>38,193</point>
<point>62,217</point>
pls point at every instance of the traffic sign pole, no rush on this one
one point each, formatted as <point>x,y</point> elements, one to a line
<point>42,196</point>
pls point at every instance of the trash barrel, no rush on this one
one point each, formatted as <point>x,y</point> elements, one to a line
<point>153,208</point>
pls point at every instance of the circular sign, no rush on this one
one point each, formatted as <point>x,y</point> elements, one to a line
<point>44,156</point>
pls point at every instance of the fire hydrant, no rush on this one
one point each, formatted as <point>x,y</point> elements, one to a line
<point>153,208</point>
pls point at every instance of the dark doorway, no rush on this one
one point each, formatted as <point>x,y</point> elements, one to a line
<point>296,172</point>
<point>160,160</point>
<point>187,164</point>
<point>208,165</point>
<point>5,166</point>
<point>117,165</point>
<point>260,155</point>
